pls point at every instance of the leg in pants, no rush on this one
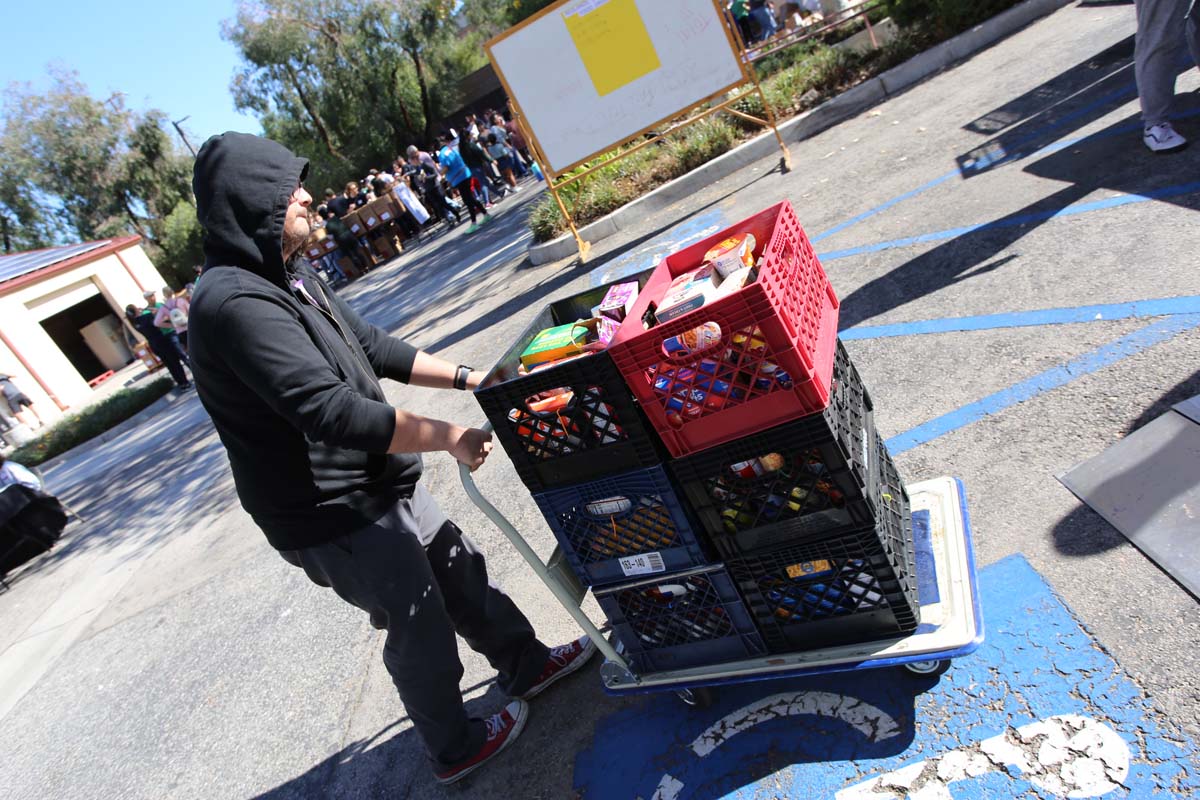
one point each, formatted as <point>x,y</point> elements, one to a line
<point>485,197</point>
<point>166,354</point>
<point>422,580</point>
<point>174,343</point>
<point>469,199</point>
<point>1162,35</point>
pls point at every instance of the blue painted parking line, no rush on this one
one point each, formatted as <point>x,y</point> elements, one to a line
<point>1039,710</point>
<point>1018,220</point>
<point>884,206</point>
<point>1014,153</point>
<point>1089,362</point>
<point>1163,307</point>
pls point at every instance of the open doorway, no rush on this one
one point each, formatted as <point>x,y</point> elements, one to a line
<point>89,334</point>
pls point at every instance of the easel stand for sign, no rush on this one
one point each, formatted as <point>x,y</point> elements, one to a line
<point>577,174</point>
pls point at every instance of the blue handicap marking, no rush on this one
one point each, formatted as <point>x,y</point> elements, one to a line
<point>1038,711</point>
<point>651,252</point>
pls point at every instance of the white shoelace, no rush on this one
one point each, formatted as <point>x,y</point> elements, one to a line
<point>495,725</point>
<point>561,655</point>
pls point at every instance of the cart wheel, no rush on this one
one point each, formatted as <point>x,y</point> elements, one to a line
<point>698,697</point>
<point>928,667</point>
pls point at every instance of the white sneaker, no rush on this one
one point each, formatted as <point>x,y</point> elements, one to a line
<point>1162,138</point>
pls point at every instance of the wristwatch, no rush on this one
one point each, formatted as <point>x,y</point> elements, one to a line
<point>461,375</point>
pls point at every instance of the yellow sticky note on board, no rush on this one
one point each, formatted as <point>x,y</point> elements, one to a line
<point>613,41</point>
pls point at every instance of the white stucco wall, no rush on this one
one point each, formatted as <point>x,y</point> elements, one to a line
<point>22,310</point>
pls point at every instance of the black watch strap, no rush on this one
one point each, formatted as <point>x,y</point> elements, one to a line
<point>461,375</point>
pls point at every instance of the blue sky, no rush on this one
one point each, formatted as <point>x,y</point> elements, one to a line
<point>167,55</point>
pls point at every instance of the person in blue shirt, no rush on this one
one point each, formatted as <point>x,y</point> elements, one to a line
<point>458,176</point>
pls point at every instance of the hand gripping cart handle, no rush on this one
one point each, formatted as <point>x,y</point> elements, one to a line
<point>556,574</point>
<point>951,620</point>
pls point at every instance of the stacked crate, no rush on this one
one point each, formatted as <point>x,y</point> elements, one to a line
<point>597,471</point>
<point>774,446</point>
<point>717,479</point>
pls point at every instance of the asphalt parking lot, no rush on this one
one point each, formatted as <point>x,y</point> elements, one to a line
<point>165,651</point>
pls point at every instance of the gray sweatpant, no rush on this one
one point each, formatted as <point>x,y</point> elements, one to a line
<point>422,580</point>
<point>1164,29</point>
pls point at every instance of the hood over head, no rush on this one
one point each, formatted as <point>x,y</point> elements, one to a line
<point>243,184</point>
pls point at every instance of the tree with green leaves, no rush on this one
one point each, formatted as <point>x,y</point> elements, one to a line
<point>74,167</point>
<point>350,84</point>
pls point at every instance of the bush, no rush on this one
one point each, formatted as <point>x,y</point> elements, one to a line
<point>614,185</point>
<point>945,17</point>
<point>545,220</point>
<point>700,143</point>
<point>75,429</point>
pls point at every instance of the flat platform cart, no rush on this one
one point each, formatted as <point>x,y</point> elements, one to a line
<point>951,622</point>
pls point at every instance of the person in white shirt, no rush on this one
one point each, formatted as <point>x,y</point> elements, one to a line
<point>11,472</point>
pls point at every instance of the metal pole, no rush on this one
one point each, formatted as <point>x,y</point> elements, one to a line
<point>751,74</point>
<point>535,563</point>
<point>583,245</point>
<point>183,136</point>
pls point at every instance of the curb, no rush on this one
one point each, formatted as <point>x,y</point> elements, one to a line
<point>171,398</point>
<point>833,111</point>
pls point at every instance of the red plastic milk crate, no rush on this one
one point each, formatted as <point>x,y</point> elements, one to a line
<point>773,361</point>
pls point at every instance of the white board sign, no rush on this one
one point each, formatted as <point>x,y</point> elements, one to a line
<point>587,75</point>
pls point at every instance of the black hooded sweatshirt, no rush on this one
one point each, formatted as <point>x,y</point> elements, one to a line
<point>288,372</point>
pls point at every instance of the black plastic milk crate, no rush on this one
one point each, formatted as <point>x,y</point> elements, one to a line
<point>817,475</point>
<point>688,619</point>
<point>894,497</point>
<point>618,528</point>
<point>836,590</point>
<point>600,432</point>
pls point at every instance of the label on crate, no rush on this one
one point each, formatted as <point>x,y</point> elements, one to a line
<point>809,569</point>
<point>866,456</point>
<point>642,564</point>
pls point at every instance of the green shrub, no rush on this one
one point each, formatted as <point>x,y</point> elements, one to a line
<point>750,103</point>
<point>701,143</point>
<point>545,220</point>
<point>945,17</point>
<point>75,429</point>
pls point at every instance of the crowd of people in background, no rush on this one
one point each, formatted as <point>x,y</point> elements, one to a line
<point>759,20</point>
<point>469,171</point>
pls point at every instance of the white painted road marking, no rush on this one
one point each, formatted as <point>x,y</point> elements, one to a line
<point>871,722</point>
<point>1068,755</point>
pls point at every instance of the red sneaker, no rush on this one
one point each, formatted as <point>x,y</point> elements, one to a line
<point>502,728</point>
<point>563,660</point>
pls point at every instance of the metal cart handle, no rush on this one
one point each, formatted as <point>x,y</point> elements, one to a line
<point>535,563</point>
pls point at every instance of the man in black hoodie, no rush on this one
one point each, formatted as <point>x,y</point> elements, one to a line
<point>290,376</point>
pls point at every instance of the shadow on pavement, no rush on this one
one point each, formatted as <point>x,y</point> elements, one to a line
<point>753,731</point>
<point>393,764</point>
<point>183,475</point>
<point>1112,159</point>
<point>1068,101</point>
<point>1187,388</point>
<point>1084,532</point>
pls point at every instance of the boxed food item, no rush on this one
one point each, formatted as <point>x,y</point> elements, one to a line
<point>606,330</point>
<point>738,279</point>
<point>619,300</point>
<point>732,254</point>
<point>687,292</point>
<point>559,342</point>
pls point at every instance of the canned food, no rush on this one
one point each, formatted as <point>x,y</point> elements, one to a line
<point>694,340</point>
